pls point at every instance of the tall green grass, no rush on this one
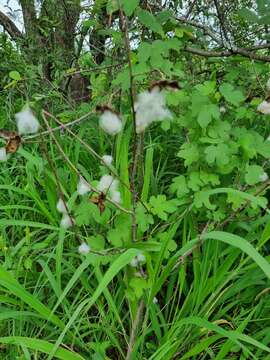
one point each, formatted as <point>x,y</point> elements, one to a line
<point>212,292</point>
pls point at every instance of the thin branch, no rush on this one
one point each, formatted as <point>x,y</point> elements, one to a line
<point>223,29</point>
<point>60,127</point>
<point>73,167</point>
<point>258,47</point>
<point>230,48</point>
<point>95,154</point>
<point>135,146</point>
<point>10,27</point>
<point>190,9</point>
<point>227,53</point>
<point>134,330</point>
<point>207,31</point>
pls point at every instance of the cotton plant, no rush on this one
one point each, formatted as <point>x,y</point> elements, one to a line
<point>109,185</point>
<point>109,121</point>
<point>67,221</point>
<point>61,207</point>
<point>83,187</point>
<point>27,123</point>
<point>264,177</point>
<point>84,249</point>
<point>222,109</point>
<point>155,300</point>
<point>149,107</point>
<point>138,260</point>
<point>264,107</point>
<point>3,154</point>
<point>108,159</point>
<point>116,196</point>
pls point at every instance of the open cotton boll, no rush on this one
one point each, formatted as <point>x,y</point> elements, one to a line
<point>27,123</point>
<point>60,206</point>
<point>264,107</point>
<point>134,262</point>
<point>150,106</point>
<point>107,182</point>
<point>84,249</point>
<point>66,221</point>
<point>110,122</point>
<point>3,154</point>
<point>222,109</point>
<point>155,300</point>
<point>137,260</point>
<point>264,177</point>
<point>107,159</point>
<point>141,258</point>
<point>116,196</point>
<point>83,187</point>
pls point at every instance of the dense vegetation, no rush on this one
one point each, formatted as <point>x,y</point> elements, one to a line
<point>134,180</point>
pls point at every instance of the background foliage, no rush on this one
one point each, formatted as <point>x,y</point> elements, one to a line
<point>197,195</point>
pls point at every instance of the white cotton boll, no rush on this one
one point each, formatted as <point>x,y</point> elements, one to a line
<point>27,123</point>
<point>268,84</point>
<point>141,258</point>
<point>137,260</point>
<point>3,154</point>
<point>222,109</point>
<point>116,196</point>
<point>134,262</point>
<point>110,123</point>
<point>107,182</point>
<point>107,159</point>
<point>82,187</point>
<point>264,107</point>
<point>84,249</point>
<point>155,300</point>
<point>263,177</point>
<point>66,221</point>
<point>60,206</point>
<point>150,106</point>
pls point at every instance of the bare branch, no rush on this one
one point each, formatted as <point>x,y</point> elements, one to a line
<point>10,27</point>
<point>227,53</point>
<point>230,49</point>
<point>204,28</point>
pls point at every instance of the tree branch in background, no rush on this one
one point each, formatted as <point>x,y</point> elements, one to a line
<point>229,49</point>
<point>227,53</point>
<point>10,27</point>
<point>206,30</point>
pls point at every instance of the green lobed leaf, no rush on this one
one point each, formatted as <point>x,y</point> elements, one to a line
<point>161,207</point>
<point>143,218</point>
<point>15,75</point>
<point>233,96</point>
<point>149,20</point>
<point>253,174</point>
<point>129,6</point>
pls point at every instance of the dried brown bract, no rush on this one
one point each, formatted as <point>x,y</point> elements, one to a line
<point>13,140</point>
<point>103,108</point>
<point>165,84</point>
<point>99,200</point>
